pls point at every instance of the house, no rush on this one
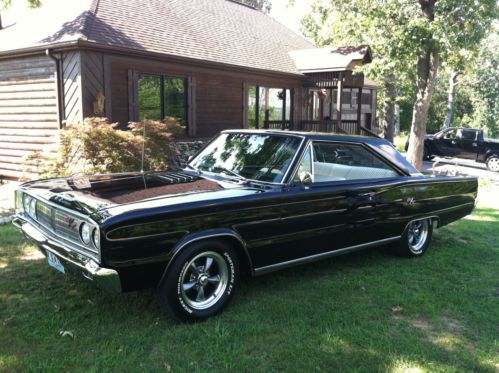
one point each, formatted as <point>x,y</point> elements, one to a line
<point>211,64</point>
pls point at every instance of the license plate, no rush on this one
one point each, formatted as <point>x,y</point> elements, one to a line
<point>55,262</point>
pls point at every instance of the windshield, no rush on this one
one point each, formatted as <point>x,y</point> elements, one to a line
<point>262,157</point>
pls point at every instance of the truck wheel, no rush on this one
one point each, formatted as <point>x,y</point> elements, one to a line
<point>201,281</point>
<point>426,154</point>
<point>415,240</point>
<point>493,163</point>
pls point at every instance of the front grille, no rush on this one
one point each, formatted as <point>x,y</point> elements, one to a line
<point>66,225</point>
<point>63,224</point>
<point>44,214</point>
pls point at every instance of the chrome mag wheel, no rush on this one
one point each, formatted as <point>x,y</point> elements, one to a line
<point>203,280</point>
<point>493,164</point>
<point>417,235</point>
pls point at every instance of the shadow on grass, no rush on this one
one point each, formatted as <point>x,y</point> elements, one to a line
<point>334,314</point>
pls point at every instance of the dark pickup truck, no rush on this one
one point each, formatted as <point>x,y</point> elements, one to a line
<point>467,143</point>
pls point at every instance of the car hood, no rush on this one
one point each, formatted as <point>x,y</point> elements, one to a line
<point>130,191</point>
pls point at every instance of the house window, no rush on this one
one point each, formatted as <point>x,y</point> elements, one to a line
<point>276,104</point>
<point>161,96</point>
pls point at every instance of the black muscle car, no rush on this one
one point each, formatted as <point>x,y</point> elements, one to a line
<point>249,202</point>
<point>466,143</point>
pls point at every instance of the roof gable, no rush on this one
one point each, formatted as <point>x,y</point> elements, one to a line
<point>210,30</point>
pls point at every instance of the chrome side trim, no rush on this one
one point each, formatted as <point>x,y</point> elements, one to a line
<point>312,258</point>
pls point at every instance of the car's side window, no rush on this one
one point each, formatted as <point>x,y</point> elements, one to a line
<point>450,134</point>
<point>466,134</point>
<point>305,164</point>
<point>339,161</point>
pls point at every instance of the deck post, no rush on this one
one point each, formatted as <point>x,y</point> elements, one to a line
<point>359,109</point>
<point>339,99</point>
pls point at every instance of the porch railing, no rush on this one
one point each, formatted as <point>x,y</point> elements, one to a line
<point>350,127</point>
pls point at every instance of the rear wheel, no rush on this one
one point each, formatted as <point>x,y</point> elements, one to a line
<point>415,240</point>
<point>426,154</point>
<point>493,163</point>
<point>201,281</point>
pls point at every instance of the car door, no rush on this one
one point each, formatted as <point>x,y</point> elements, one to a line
<point>467,143</point>
<point>339,200</point>
<point>446,143</point>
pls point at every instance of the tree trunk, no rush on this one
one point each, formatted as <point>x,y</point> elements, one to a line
<point>450,99</point>
<point>427,67</point>
<point>389,107</point>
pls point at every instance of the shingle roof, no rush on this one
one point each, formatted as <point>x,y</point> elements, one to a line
<point>212,30</point>
<point>330,59</point>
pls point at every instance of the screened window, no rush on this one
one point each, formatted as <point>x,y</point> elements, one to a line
<point>161,96</point>
<point>336,162</point>
<point>272,103</point>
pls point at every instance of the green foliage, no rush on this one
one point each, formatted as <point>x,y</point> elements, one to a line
<point>264,5</point>
<point>398,32</point>
<point>5,4</point>
<point>96,146</point>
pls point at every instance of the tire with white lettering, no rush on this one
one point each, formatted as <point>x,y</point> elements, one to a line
<point>200,281</point>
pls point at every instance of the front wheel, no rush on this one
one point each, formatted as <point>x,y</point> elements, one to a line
<point>201,281</point>
<point>415,240</point>
<point>493,163</point>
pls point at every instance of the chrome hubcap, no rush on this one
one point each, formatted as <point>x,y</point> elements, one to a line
<point>204,280</point>
<point>494,164</point>
<point>417,235</point>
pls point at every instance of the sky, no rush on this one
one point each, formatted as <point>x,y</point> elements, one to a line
<point>290,16</point>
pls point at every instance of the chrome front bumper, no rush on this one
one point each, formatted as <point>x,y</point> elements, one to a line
<point>105,278</point>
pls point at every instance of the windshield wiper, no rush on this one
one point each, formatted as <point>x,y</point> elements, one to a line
<point>193,168</point>
<point>232,173</point>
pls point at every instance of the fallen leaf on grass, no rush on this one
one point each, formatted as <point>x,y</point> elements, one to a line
<point>66,333</point>
<point>7,321</point>
<point>397,309</point>
<point>56,308</point>
<point>167,367</point>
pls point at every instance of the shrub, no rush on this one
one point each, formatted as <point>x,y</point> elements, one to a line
<point>97,146</point>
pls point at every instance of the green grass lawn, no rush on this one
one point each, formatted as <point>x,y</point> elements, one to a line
<point>362,312</point>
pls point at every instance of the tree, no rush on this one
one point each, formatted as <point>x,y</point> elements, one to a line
<point>444,27</point>
<point>484,86</point>
<point>4,4</point>
<point>410,38</point>
<point>264,5</point>
<point>343,22</point>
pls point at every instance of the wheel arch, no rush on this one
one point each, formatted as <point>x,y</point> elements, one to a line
<point>226,235</point>
<point>435,221</point>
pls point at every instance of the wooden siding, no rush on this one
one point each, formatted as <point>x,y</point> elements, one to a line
<point>29,119</point>
<point>72,87</point>
<point>216,100</point>
<point>92,78</point>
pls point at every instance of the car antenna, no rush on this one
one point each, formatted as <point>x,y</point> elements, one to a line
<point>143,155</point>
<point>143,149</point>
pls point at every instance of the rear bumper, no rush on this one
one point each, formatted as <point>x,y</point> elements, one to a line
<point>74,263</point>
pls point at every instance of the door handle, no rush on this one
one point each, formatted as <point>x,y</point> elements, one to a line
<point>362,199</point>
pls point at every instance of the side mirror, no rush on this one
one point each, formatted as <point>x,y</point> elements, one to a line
<point>306,177</point>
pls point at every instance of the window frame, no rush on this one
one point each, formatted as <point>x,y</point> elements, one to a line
<point>310,143</point>
<point>291,99</point>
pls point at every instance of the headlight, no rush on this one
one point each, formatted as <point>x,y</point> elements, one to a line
<point>96,237</point>
<point>19,201</point>
<point>32,208</point>
<point>85,233</point>
<point>29,204</point>
<point>26,200</point>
